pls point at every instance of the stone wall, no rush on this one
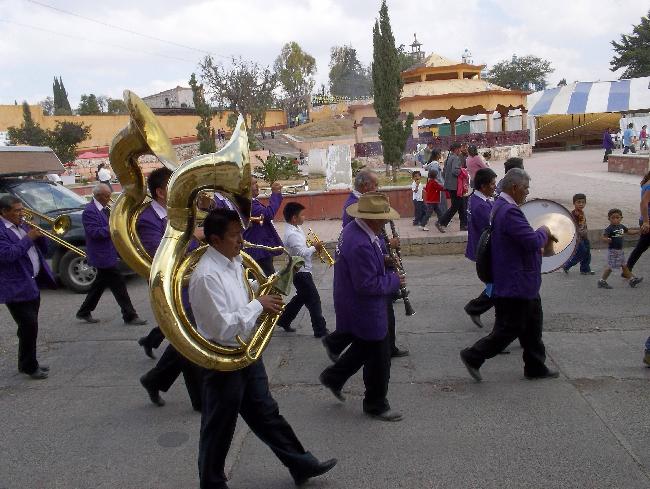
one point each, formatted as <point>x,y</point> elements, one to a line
<point>634,164</point>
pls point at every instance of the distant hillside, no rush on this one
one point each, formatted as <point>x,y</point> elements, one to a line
<point>324,128</point>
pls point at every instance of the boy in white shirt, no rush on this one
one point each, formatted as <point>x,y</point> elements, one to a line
<point>295,242</point>
<point>418,201</point>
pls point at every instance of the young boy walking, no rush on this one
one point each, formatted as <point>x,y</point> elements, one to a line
<point>431,198</point>
<point>295,242</point>
<point>613,234</point>
<point>583,250</point>
<point>418,204</point>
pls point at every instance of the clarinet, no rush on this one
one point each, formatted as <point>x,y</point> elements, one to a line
<point>396,255</point>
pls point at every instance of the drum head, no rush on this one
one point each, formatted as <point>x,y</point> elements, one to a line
<point>558,219</point>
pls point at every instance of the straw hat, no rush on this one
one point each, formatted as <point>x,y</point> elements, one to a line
<point>372,205</point>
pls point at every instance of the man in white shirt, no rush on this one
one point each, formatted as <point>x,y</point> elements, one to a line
<point>295,242</point>
<point>223,310</point>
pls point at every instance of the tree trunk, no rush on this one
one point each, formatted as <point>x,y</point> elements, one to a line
<point>395,167</point>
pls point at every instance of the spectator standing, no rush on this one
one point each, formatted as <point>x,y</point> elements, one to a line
<point>608,144</point>
<point>474,162</point>
<point>629,135</point>
<point>418,203</point>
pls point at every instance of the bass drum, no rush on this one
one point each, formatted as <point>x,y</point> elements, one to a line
<point>542,212</point>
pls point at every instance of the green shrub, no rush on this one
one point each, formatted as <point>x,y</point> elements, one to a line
<point>276,168</point>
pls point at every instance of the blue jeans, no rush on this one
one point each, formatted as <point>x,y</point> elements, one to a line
<point>582,256</point>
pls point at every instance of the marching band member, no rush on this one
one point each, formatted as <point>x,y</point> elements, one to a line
<point>362,285</point>
<point>150,227</point>
<point>516,270</point>
<point>23,271</point>
<point>223,310</point>
<point>264,233</point>
<point>103,255</point>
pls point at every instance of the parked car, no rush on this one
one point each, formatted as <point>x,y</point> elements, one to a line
<point>22,174</point>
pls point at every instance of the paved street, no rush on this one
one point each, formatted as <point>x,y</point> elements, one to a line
<point>90,425</point>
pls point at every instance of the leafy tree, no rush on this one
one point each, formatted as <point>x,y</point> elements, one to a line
<point>29,132</point>
<point>521,73</point>
<point>562,83</point>
<point>116,106</point>
<point>47,105</point>
<point>633,51</point>
<point>65,137</point>
<point>245,88</point>
<point>387,88</point>
<point>89,105</point>
<point>404,58</point>
<point>295,70</point>
<point>348,77</point>
<point>205,132</point>
<point>276,168</point>
<point>61,103</point>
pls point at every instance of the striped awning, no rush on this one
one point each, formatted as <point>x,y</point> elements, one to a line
<point>593,97</point>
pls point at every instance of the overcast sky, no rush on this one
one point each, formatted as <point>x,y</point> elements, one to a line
<point>38,42</point>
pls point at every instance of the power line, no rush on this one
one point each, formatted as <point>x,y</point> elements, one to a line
<point>112,26</point>
<point>85,39</point>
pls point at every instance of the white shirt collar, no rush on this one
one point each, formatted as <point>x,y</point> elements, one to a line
<point>371,234</point>
<point>481,195</point>
<point>356,193</point>
<point>508,198</point>
<point>160,210</point>
<point>220,260</point>
<point>8,224</point>
<point>98,205</point>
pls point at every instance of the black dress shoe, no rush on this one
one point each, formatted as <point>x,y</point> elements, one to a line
<point>476,319</point>
<point>549,374</point>
<point>288,329</point>
<point>332,356</point>
<point>38,374</point>
<point>136,321</point>
<point>473,371</point>
<point>399,353</point>
<point>44,368</point>
<point>314,471</point>
<point>154,394</point>
<point>337,392</point>
<point>148,350</point>
<point>88,318</point>
<point>322,334</point>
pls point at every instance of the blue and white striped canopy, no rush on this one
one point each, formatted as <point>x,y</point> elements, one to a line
<point>592,97</point>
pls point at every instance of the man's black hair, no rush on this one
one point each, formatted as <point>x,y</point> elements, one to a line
<point>611,212</point>
<point>483,177</point>
<point>158,179</point>
<point>435,155</point>
<point>579,197</point>
<point>472,150</point>
<point>291,209</point>
<point>454,147</point>
<point>7,202</point>
<point>514,162</point>
<point>433,173</point>
<point>217,222</point>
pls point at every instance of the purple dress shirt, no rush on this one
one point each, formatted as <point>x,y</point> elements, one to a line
<point>478,218</point>
<point>352,199</point>
<point>16,269</point>
<point>99,247</point>
<point>516,253</point>
<point>362,285</point>
<point>264,234</point>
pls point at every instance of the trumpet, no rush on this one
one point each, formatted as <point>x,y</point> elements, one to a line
<point>323,254</point>
<point>60,226</point>
<point>257,219</point>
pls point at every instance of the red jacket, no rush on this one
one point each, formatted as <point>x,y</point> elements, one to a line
<point>431,194</point>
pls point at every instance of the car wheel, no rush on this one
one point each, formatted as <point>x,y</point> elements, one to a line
<point>75,273</point>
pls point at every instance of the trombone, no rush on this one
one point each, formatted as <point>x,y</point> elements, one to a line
<point>313,240</point>
<point>60,226</point>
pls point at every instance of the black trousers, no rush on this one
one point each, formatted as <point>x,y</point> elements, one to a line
<point>608,152</point>
<point>25,313</point>
<point>266,264</point>
<point>457,205</point>
<point>154,338</point>
<point>640,248</point>
<point>338,341</point>
<point>374,357</point>
<point>515,318</point>
<point>306,295</point>
<point>167,370</point>
<point>483,303</point>
<point>113,279</point>
<point>229,394</point>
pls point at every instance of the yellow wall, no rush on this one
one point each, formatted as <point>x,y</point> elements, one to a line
<point>330,111</point>
<point>105,127</point>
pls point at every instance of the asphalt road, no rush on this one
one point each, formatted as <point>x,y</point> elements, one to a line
<point>90,425</point>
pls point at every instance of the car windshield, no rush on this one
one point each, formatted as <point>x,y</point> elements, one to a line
<point>45,197</point>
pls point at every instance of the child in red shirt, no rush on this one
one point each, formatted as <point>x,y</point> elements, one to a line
<point>431,197</point>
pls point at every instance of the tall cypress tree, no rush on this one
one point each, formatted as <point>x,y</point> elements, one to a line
<point>61,103</point>
<point>387,87</point>
<point>204,129</point>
